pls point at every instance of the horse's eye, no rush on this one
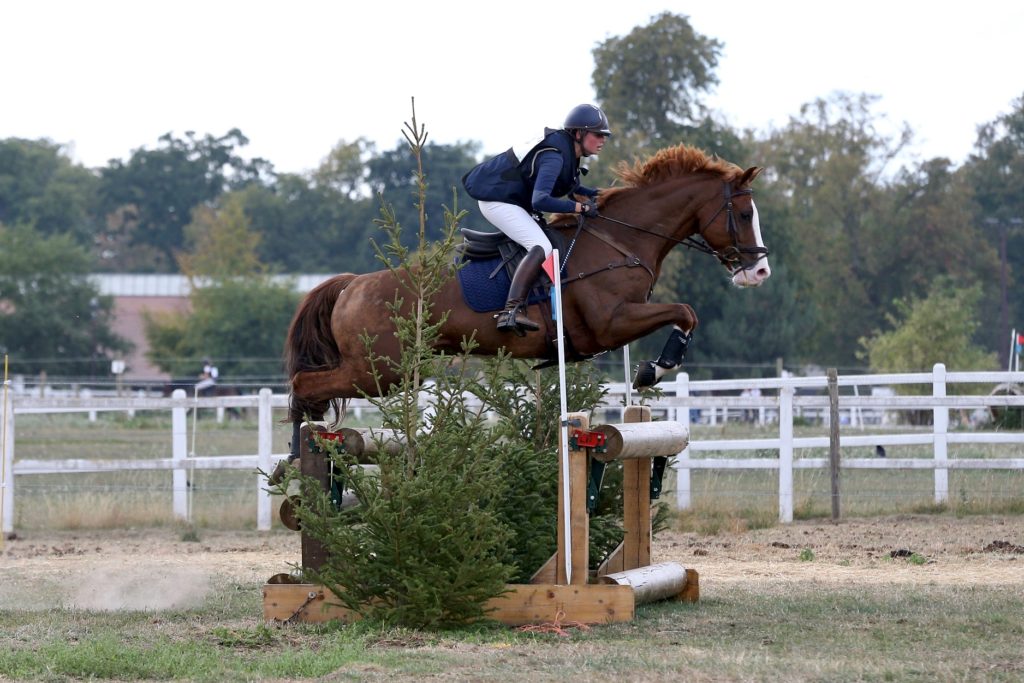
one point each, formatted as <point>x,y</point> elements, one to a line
<point>747,215</point>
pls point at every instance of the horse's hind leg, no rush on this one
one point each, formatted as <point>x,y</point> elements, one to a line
<point>313,394</point>
<point>650,372</point>
<point>349,380</point>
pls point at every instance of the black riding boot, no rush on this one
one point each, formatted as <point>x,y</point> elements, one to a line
<point>512,318</point>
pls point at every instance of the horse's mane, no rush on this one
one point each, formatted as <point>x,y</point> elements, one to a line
<point>665,164</point>
<point>669,163</point>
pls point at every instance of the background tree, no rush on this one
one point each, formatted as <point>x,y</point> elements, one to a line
<point>345,169</point>
<point>238,314</point>
<point>936,329</point>
<point>310,228</point>
<point>392,176</point>
<point>222,242</point>
<point>996,174</point>
<point>159,188</point>
<point>41,187</point>
<point>238,323</point>
<point>51,316</point>
<point>651,82</point>
<point>828,164</point>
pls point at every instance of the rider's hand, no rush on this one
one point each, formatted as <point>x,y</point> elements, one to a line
<point>589,209</point>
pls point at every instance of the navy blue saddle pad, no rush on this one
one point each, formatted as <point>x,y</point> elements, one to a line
<point>484,292</point>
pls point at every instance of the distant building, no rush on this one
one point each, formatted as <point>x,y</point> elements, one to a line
<point>136,295</point>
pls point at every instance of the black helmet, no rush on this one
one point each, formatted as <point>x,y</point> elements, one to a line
<point>587,117</point>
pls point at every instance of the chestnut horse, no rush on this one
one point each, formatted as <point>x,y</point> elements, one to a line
<point>678,196</point>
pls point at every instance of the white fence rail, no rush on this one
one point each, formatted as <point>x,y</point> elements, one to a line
<point>681,401</point>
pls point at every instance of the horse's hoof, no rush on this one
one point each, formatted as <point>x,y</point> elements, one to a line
<point>288,514</point>
<point>278,474</point>
<point>646,377</point>
<point>283,578</point>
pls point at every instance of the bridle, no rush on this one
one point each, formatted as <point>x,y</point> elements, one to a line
<point>732,256</point>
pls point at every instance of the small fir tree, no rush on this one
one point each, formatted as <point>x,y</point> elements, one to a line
<point>424,547</point>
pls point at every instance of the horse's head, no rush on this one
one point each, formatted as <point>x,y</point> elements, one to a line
<point>712,199</point>
<point>729,225</point>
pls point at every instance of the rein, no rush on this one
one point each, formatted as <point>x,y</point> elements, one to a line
<point>728,256</point>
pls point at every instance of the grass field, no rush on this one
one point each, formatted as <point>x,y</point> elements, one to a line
<point>804,603</point>
<point>923,634</point>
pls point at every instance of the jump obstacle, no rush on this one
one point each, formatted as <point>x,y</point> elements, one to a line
<point>560,590</point>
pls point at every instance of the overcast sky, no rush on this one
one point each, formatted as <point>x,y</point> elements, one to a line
<point>296,77</point>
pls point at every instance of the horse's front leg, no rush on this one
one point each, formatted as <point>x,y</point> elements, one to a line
<point>633,321</point>
<point>649,373</point>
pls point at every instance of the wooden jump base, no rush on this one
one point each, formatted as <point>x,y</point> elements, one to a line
<point>625,579</point>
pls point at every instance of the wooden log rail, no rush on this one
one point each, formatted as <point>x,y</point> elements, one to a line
<point>641,440</point>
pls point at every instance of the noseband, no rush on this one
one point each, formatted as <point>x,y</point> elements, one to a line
<point>732,256</point>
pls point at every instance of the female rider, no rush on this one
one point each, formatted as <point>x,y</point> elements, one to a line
<point>513,188</point>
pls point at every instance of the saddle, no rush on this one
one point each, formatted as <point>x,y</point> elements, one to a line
<point>489,260</point>
<point>488,246</point>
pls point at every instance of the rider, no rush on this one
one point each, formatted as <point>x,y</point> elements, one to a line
<point>518,185</point>
<point>207,378</point>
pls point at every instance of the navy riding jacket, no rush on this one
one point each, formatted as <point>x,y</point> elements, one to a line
<point>548,171</point>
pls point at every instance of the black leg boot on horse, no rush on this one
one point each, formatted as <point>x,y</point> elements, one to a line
<point>512,319</point>
<point>671,358</point>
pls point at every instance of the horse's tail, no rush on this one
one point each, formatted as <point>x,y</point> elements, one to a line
<point>310,345</point>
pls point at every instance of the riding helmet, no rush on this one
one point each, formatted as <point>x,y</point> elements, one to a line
<point>587,117</point>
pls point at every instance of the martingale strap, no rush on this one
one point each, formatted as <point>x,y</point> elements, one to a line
<point>631,260</point>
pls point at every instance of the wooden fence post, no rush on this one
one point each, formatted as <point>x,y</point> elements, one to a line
<point>833,439</point>
<point>579,543</point>
<point>636,500</point>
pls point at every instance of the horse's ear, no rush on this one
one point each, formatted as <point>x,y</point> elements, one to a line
<point>749,175</point>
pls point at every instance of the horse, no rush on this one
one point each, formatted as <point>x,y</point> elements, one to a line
<point>679,195</point>
<point>189,385</point>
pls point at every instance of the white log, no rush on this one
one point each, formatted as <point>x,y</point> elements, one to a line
<point>652,583</point>
<point>642,440</point>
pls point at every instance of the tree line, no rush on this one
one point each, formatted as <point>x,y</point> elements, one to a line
<point>863,245</point>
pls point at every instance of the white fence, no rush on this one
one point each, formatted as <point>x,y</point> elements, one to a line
<point>181,462</point>
<point>778,403</point>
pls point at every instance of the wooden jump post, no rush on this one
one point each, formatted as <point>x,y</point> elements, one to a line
<point>627,578</point>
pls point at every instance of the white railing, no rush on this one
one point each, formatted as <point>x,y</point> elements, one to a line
<point>182,460</point>
<point>677,403</point>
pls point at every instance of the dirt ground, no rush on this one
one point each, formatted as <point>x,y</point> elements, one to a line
<point>153,569</point>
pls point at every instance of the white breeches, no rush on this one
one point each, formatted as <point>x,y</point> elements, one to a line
<point>515,222</point>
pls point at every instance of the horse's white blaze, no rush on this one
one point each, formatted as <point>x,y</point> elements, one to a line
<point>762,271</point>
